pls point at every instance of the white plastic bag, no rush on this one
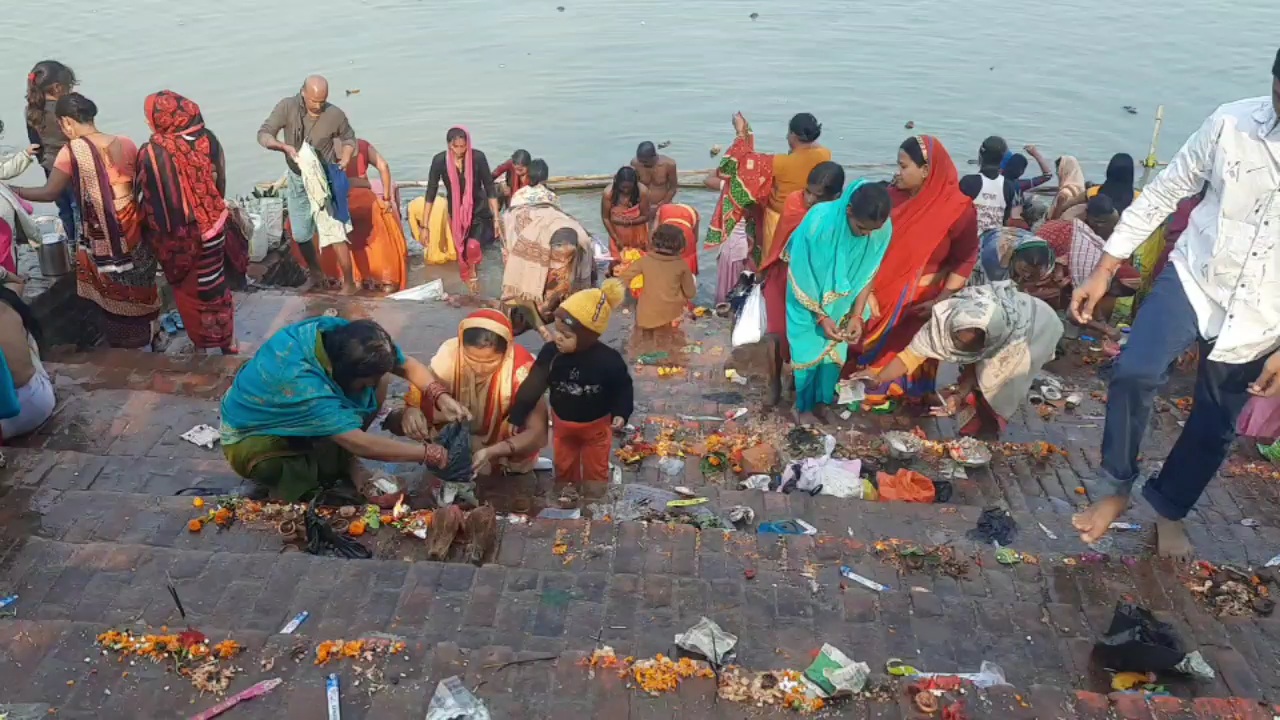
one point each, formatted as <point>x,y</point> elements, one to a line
<point>267,215</point>
<point>433,290</point>
<point>752,321</point>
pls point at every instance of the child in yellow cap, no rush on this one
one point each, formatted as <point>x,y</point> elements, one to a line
<point>590,385</point>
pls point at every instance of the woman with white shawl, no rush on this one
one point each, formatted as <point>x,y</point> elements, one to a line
<point>999,336</point>
<point>548,256</point>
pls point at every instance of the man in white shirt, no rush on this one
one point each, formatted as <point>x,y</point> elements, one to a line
<point>1220,289</point>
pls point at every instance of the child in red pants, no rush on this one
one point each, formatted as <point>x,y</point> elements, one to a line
<point>590,384</point>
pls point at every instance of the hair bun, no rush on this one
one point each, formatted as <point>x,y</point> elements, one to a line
<point>613,291</point>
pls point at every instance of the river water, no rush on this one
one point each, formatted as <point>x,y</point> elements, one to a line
<point>582,87</point>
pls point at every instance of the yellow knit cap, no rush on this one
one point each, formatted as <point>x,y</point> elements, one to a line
<point>594,306</point>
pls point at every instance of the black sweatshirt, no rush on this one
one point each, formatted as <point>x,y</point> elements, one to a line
<point>585,385</point>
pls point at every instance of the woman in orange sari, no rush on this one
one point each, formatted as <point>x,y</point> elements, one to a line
<point>483,368</point>
<point>624,208</point>
<point>114,268</point>
<point>687,219</point>
<point>181,181</point>
<point>826,183</point>
<point>376,239</point>
<point>932,253</point>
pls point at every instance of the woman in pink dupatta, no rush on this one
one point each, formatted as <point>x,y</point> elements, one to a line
<point>473,201</point>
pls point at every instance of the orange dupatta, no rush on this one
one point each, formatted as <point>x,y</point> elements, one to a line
<point>488,397</point>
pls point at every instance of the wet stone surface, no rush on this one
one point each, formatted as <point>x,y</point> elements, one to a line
<point>91,530</point>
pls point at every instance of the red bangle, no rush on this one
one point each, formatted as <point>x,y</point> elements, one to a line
<point>434,391</point>
<point>434,455</point>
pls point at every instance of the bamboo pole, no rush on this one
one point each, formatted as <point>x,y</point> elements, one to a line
<point>1151,163</point>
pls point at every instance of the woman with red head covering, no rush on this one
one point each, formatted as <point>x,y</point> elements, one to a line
<point>181,179</point>
<point>933,250</point>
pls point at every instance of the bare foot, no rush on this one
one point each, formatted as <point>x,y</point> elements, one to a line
<point>1094,521</point>
<point>1171,539</point>
<point>349,289</point>
<point>807,418</point>
<point>307,285</point>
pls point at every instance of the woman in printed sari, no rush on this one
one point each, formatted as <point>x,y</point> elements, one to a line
<point>1000,337</point>
<point>833,256</point>
<point>536,191</point>
<point>624,208</point>
<point>826,182</point>
<point>758,184</point>
<point>1071,187</point>
<point>549,255</point>
<point>114,268</point>
<point>376,241</point>
<point>1010,253</point>
<point>934,248</point>
<point>483,368</point>
<point>181,179</point>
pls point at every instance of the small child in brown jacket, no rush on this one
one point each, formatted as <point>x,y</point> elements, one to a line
<point>668,282</point>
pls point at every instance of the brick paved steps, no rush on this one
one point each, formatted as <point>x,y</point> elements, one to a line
<point>41,655</point>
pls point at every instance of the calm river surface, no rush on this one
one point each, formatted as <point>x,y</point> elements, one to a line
<point>582,87</point>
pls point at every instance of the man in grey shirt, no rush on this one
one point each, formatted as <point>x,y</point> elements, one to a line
<point>308,117</point>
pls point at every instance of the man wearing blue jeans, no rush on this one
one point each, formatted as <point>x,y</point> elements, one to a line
<point>1220,289</point>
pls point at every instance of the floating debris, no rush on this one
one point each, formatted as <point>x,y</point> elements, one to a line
<point>910,125</point>
<point>754,16</point>
<point>1131,109</point>
<point>355,91</point>
<point>664,144</point>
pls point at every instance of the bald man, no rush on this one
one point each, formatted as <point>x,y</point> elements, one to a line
<point>308,117</point>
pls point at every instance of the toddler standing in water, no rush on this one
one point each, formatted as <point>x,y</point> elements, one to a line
<point>668,282</point>
<point>590,385</point>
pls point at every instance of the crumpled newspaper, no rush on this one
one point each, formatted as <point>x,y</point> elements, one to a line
<point>708,640</point>
<point>203,435</point>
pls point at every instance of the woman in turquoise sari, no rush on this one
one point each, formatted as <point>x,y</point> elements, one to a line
<point>296,418</point>
<point>834,254</point>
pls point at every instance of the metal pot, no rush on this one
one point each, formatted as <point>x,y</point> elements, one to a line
<point>54,255</point>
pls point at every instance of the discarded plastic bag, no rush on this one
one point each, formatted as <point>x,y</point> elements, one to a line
<point>995,527</point>
<point>757,482</point>
<point>322,539</point>
<point>453,701</point>
<point>456,439</point>
<point>834,674</point>
<point>1137,642</point>
<point>787,527</point>
<point>203,435</point>
<point>842,478</point>
<point>433,290</point>
<point>906,486</point>
<point>752,321</point>
<point>671,466</point>
<point>708,640</point>
<point>989,675</point>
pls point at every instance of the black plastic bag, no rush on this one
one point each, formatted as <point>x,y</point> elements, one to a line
<point>456,439</point>
<point>942,490</point>
<point>324,540</point>
<point>1138,642</point>
<point>995,527</point>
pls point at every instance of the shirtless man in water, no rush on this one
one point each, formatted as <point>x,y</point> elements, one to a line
<point>657,173</point>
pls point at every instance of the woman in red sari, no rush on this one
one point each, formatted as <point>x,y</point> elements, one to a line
<point>181,179</point>
<point>376,240</point>
<point>932,253</point>
<point>826,183</point>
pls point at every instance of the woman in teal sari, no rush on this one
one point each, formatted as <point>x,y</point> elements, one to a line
<point>834,254</point>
